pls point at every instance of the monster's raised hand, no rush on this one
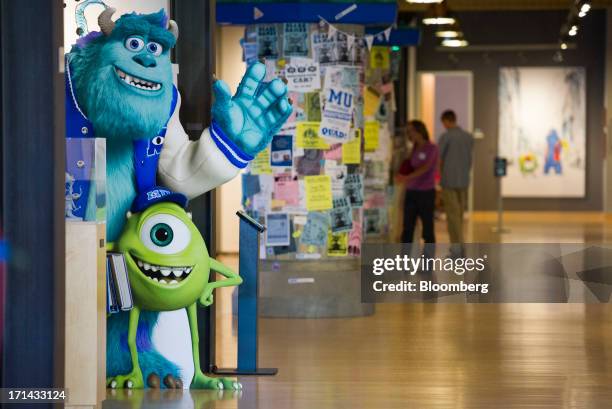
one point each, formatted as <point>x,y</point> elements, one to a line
<point>257,111</point>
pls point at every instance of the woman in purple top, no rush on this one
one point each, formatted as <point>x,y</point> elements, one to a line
<point>418,174</point>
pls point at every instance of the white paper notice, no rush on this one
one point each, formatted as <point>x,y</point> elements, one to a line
<point>303,75</point>
<point>337,115</point>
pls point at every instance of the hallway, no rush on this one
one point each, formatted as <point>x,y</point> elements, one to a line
<point>429,355</point>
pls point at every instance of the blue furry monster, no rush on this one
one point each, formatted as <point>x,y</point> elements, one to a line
<point>119,87</point>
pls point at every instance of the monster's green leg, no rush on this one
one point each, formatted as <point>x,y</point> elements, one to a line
<point>133,379</point>
<point>201,381</point>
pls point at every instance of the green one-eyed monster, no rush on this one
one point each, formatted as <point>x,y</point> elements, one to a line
<point>168,267</point>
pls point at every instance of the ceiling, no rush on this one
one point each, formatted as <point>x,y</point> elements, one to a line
<point>459,5</point>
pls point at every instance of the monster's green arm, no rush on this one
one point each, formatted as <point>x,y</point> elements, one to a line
<point>232,279</point>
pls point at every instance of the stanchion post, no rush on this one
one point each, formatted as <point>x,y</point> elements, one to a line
<point>248,296</point>
<point>500,167</point>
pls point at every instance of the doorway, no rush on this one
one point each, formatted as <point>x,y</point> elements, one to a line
<point>437,91</point>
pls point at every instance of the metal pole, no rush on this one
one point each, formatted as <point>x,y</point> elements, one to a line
<point>500,210</point>
<point>248,299</point>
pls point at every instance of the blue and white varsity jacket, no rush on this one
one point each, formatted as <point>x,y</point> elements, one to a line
<point>188,167</point>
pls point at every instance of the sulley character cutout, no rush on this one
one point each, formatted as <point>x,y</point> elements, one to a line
<point>119,87</point>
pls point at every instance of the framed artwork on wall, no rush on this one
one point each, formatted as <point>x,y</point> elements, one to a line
<point>542,131</point>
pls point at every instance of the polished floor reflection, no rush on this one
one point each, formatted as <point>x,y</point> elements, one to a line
<point>427,355</point>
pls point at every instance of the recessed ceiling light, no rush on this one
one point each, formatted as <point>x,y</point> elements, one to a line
<point>454,42</point>
<point>437,14</point>
<point>573,31</point>
<point>448,34</point>
<point>438,21</point>
<point>583,9</point>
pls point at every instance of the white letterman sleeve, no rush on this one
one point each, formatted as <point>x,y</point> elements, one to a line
<point>195,167</point>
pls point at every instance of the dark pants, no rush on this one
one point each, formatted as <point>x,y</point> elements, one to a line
<point>421,204</point>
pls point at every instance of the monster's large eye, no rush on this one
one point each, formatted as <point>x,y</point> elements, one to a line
<point>154,48</point>
<point>134,44</point>
<point>165,234</point>
<point>162,234</point>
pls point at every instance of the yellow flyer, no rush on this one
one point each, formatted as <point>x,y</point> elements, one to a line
<point>371,132</point>
<point>337,244</point>
<point>261,164</point>
<point>318,192</point>
<point>379,58</point>
<point>307,136</point>
<point>351,150</point>
<point>371,101</point>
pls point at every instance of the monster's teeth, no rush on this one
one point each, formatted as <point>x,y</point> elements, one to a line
<point>177,272</point>
<point>146,266</point>
<point>139,263</point>
<point>188,270</point>
<point>165,271</point>
<point>128,78</point>
<point>154,268</point>
<point>155,279</point>
<point>173,282</point>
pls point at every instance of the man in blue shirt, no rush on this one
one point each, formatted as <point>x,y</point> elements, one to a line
<point>455,164</point>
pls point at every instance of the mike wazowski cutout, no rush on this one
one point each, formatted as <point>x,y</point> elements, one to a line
<point>169,268</point>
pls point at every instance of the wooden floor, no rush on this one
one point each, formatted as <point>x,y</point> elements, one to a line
<point>428,355</point>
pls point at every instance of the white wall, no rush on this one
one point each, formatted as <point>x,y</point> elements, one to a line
<point>230,68</point>
<point>93,11</point>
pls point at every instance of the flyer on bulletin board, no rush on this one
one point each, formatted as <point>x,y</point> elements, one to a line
<point>379,57</point>
<point>277,229</point>
<point>307,136</point>
<point>371,101</point>
<point>282,150</point>
<point>318,193</point>
<point>337,115</point>
<point>303,75</point>
<point>351,150</point>
<point>337,244</point>
<point>371,135</point>
<point>261,164</point>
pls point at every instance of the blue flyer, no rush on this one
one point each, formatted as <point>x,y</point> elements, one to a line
<point>281,151</point>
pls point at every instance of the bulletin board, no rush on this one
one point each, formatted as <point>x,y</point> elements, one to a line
<point>323,178</point>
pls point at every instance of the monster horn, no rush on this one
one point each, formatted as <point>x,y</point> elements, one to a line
<point>173,28</point>
<point>104,21</point>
